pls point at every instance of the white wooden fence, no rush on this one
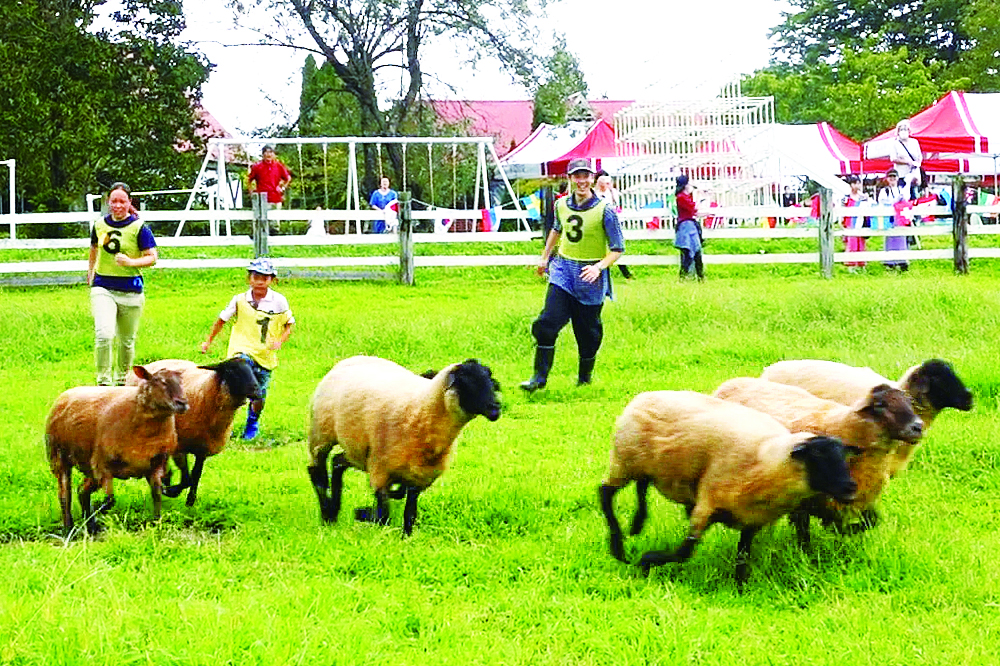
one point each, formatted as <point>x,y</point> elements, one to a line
<point>635,223</point>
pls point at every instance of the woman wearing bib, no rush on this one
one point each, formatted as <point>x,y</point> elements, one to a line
<point>120,245</point>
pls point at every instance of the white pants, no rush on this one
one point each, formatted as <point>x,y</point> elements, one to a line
<point>116,318</point>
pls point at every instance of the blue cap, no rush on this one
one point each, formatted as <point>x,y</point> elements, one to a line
<point>262,266</point>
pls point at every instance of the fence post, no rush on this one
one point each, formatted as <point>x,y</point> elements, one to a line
<point>258,200</point>
<point>960,225</point>
<point>548,212</point>
<point>405,239</point>
<point>825,233</point>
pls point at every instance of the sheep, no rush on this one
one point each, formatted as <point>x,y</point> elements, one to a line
<point>932,386</point>
<point>873,424</point>
<point>214,394</point>
<point>397,426</point>
<point>724,462</point>
<point>110,432</point>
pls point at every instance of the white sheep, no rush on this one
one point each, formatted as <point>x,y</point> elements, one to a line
<point>214,393</point>
<point>724,462</point>
<point>873,424</point>
<point>932,386</point>
<point>397,426</point>
<point>113,432</point>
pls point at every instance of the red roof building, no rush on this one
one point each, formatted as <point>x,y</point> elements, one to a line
<point>508,121</point>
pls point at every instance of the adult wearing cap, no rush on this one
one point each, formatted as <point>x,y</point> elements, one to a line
<point>587,239</point>
<point>263,323</point>
<point>270,176</point>
<point>687,236</point>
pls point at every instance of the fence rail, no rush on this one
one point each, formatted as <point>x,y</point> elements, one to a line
<point>637,227</point>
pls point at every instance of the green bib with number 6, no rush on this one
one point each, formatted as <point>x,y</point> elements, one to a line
<point>583,236</point>
<point>112,240</point>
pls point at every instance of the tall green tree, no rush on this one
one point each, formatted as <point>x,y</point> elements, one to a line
<point>861,93</point>
<point>930,30</point>
<point>562,94</point>
<point>376,48</point>
<point>82,107</point>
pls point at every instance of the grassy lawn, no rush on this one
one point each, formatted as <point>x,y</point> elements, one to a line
<point>508,562</point>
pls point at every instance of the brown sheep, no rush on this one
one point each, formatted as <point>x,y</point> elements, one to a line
<point>113,432</point>
<point>724,462</point>
<point>873,424</point>
<point>397,426</point>
<point>214,393</point>
<point>932,386</point>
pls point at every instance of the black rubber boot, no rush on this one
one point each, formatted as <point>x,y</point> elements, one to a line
<point>543,363</point>
<point>585,376</point>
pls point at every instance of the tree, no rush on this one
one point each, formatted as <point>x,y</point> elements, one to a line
<point>862,93</point>
<point>82,108</point>
<point>931,30</point>
<point>559,97</point>
<point>980,61</point>
<point>375,45</point>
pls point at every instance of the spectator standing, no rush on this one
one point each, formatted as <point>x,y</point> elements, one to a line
<point>687,237</point>
<point>604,187</point>
<point>270,176</point>
<point>589,239</point>
<point>120,245</point>
<point>890,195</point>
<point>263,323</point>
<point>856,198</point>
<point>379,200</point>
<point>906,159</point>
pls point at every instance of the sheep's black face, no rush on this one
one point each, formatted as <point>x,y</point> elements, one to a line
<point>239,379</point>
<point>476,389</point>
<point>826,467</point>
<point>943,387</point>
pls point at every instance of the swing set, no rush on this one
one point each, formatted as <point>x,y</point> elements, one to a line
<point>225,193</point>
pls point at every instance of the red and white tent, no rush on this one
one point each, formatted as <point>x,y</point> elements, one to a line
<point>527,160</point>
<point>961,128</point>
<point>599,143</point>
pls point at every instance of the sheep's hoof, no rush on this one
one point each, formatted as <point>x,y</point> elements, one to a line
<point>173,491</point>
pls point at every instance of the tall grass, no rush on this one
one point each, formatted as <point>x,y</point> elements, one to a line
<point>508,562</point>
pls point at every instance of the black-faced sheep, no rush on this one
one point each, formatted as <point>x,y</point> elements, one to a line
<point>397,426</point>
<point>113,432</point>
<point>724,462</point>
<point>214,393</point>
<point>932,386</point>
<point>873,424</point>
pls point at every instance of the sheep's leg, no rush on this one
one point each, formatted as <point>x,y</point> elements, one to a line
<point>338,466</point>
<point>381,515</point>
<point>195,478</point>
<point>180,459</point>
<point>83,493</point>
<point>155,480</point>
<point>65,478</point>
<point>800,521</point>
<point>869,519</point>
<point>410,509</point>
<point>607,494</point>
<point>742,553</point>
<point>642,508</point>
<point>655,558</point>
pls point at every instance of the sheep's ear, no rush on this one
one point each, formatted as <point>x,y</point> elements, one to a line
<point>141,372</point>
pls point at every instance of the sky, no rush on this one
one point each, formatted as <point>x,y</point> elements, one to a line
<point>625,50</point>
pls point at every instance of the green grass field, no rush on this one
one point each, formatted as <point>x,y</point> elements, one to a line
<point>508,562</point>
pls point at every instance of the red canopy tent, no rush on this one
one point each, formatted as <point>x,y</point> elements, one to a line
<point>599,142</point>
<point>956,123</point>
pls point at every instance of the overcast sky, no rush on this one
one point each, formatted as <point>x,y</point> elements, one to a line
<point>626,51</point>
